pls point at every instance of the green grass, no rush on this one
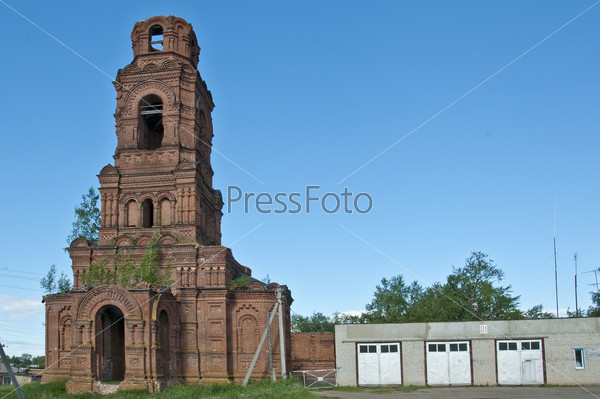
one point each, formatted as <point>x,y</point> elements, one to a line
<point>289,389</point>
<point>381,390</point>
<point>410,388</point>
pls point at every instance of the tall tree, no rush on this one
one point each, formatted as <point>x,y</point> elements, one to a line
<point>87,217</point>
<point>471,292</point>
<point>39,361</point>
<point>478,292</point>
<point>594,310</point>
<point>393,301</point>
<point>538,312</point>
<point>318,322</point>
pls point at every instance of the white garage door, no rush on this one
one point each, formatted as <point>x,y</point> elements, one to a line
<point>520,362</point>
<point>448,363</point>
<point>379,364</point>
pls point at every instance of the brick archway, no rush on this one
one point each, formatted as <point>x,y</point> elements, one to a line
<point>110,344</point>
<point>105,295</point>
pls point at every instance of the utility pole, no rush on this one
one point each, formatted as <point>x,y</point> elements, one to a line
<point>260,344</point>
<point>271,369</point>
<point>10,372</point>
<point>278,293</point>
<point>576,305</point>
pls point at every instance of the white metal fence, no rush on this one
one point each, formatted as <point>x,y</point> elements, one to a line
<point>313,379</point>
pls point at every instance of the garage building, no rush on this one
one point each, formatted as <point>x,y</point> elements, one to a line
<point>515,352</point>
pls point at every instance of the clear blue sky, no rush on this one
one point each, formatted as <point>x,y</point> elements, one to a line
<point>306,93</point>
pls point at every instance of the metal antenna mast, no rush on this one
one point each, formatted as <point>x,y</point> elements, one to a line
<point>555,267</point>
<point>555,278</point>
<point>576,304</point>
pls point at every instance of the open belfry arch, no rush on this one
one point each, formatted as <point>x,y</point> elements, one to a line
<point>197,329</point>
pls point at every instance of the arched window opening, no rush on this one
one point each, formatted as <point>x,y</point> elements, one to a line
<point>110,344</point>
<point>150,126</point>
<point>132,214</point>
<point>156,38</point>
<point>163,321</point>
<point>165,212</point>
<point>147,213</point>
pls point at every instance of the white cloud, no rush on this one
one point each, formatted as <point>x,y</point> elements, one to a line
<point>14,308</point>
<point>21,324</point>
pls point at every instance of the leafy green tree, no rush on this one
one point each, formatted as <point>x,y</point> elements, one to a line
<point>538,312</point>
<point>48,282</point>
<point>575,313</point>
<point>477,291</point>
<point>63,284</point>
<point>240,282</point>
<point>342,318</point>
<point>440,302</point>
<point>594,310</point>
<point>21,361</point>
<point>39,361</point>
<point>51,284</point>
<point>318,322</point>
<point>26,359</point>
<point>471,292</point>
<point>87,218</point>
<point>125,273</point>
<point>393,301</point>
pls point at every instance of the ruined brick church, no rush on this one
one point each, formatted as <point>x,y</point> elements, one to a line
<point>198,329</point>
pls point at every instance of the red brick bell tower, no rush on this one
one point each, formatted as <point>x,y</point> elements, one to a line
<point>197,329</point>
<point>162,174</point>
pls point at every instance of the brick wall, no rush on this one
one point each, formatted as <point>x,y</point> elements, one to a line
<point>313,351</point>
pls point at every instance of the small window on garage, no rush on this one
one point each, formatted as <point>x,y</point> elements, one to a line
<point>432,348</point>
<point>441,347</point>
<point>363,348</point>
<point>394,348</point>
<point>512,346</point>
<point>525,346</point>
<point>385,348</point>
<point>535,345</point>
<point>503,346</point>
<point>372,348</point>
<point>462,347</point>
<point>579,358</point>
<point>453,347</point>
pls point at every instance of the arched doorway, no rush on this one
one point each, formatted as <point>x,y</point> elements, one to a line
<point>163,321</point>
<point>110,344</point>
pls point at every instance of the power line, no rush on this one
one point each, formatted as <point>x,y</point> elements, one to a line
<point>21,271</point>
<point>20,277</point>
<point>21,288</point>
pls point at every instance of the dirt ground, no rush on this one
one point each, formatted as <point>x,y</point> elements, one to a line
<point>546,392</point>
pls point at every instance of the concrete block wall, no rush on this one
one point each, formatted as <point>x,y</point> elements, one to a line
<point>345,357</point>
<point>413,363</point>
<point>560,359</point>
<point>483,355</point>
<point>559,337</point>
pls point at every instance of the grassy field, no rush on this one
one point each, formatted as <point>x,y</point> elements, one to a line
<point>265,389</point>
